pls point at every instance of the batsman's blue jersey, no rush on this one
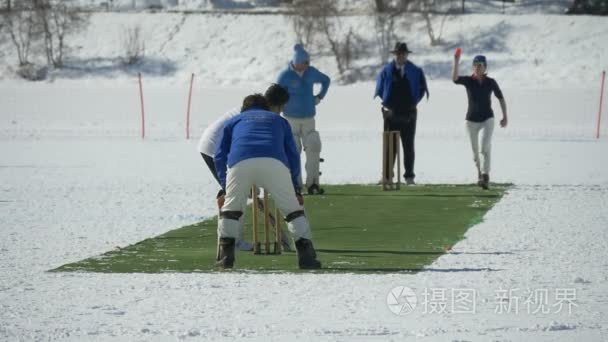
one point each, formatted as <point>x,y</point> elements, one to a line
<point>257,133</point>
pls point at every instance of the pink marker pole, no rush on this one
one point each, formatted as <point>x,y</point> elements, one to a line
<point>599,113</point>
<point>457,52</point>
<point>188,108</point>
<point>143,117</point>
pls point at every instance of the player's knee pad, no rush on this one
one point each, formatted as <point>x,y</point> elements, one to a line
<point>299,227</point>
<point>294,215</point>
<point>231,215</point>
<point>312,142</point>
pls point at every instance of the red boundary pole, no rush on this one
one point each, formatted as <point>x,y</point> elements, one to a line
<point>143,117</point>
<point>188,108</point>
<point>599,113</point>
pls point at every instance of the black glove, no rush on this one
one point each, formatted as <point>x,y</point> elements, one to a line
<point>220,193</point>
<point>387,113</point>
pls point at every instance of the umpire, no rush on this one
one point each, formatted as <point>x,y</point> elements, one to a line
<point>401,85</point>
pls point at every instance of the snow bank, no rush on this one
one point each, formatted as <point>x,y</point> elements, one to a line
<point>535,51</point>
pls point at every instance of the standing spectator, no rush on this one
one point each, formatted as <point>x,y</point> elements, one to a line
<point>401,85</point>
<point>299,79</point>
<point>480,117</point>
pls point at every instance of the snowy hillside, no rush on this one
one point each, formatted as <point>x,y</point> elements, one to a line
<point>229,49</point>
<point>471,6</point>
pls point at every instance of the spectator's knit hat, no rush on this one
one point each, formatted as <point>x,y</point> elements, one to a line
<point>401,47</point>
<point>480,59</point>
<point>300,55</point>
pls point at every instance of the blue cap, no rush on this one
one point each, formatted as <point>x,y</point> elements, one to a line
<point>300,55</point>
<point>480,59</point>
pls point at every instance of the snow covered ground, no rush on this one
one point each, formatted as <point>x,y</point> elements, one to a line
<point>76,180</point>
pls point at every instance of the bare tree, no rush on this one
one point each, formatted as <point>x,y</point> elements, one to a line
<point>384,25</point>
<point>57,18</point>
<point>430,9</point>
<point>385,14</point>
<point>595,7</point>
<point>133,45</point>
<point>329,25</point>
<point>323,16</point>
<point>6,6</point>
<point>380,5</point>
<point>304,21</point>
<point>386,11</point>
<point>21,27</point>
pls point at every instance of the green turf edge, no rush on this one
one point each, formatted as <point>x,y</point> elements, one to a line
<point>497,191</point>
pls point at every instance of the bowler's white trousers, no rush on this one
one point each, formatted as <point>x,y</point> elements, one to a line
<point>270,174</point>
<point>486,128</point>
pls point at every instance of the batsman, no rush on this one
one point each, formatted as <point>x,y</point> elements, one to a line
<point>257,147</point>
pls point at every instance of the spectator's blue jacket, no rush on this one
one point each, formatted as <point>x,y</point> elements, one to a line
<point>257,133</point>
<point>415,76</point>
<point>301,102</point>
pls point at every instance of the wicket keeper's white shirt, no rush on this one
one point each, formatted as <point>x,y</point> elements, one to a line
<point>212,136</point>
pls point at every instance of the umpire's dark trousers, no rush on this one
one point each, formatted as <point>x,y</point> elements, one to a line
<point>406,125</point>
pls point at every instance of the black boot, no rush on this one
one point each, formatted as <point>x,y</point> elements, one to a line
<point>485,181</point>
<point>225,255</point>
<point>315,190</point>
<point>307,256</point>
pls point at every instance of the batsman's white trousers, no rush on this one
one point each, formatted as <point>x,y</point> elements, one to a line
<point>486,128</point>
<point>307,137</point>
<point>270,174</point>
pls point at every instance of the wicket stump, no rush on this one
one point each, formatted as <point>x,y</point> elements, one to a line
<point>257,245</point>
<point>390,150</point>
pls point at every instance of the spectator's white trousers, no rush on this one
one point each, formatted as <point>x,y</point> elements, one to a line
<point>481,131</point>
<point>270,174</point>
<point>307,137</point>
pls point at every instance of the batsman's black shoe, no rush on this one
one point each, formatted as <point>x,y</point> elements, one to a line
<point>307,256</point>
<point>225,255</point>
<point>315,190</point>
<point>485,181</point>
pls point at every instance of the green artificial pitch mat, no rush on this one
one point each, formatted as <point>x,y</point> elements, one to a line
<point>356,228</point>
